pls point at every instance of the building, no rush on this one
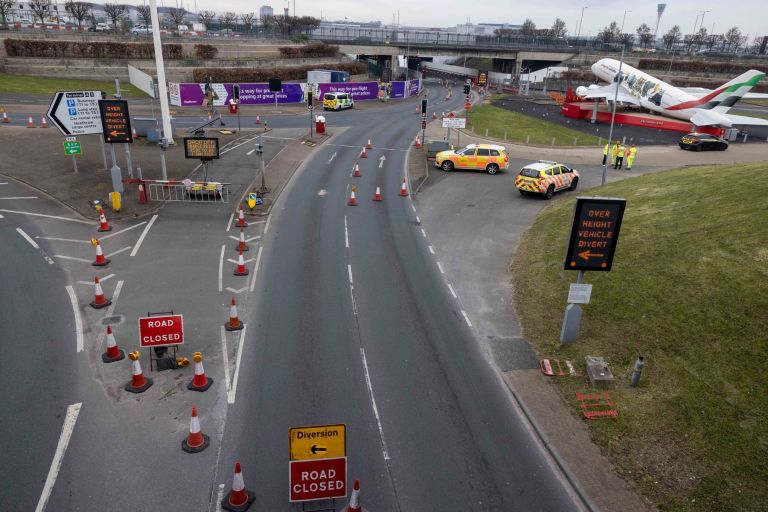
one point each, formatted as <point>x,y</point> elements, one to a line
<point>266,10</point>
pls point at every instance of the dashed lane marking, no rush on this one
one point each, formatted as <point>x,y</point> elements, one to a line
<point>58,217</point>
<point>346,233</point>
<point>233,391</point>
<point>256,269</point>
<point>135,250</point>
<point>466,318</point>
<point>452,291</point>
<point>229,224</point>
<point>373,404</point>
<point>251,152</point>
<point>225,358</point>
<point>431,250</point>
<point>439,266</point>
<point>423,233</point>
<point>73,411</point>
<point>20,197</point>
<point>27,238</point>
<point>349,271</point>
<point>78,319</point>
<point>266,226</point>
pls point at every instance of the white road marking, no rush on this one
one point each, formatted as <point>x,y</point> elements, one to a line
<point>70,420</point>
<point>322,192</point>
<point>78,319</point>
<point>221,264</point>
<point>418,220</point>
<point>452,292</point>
<point>256,269</point>
<point>245,262</point>
<point>413,208</point>
<point>63,239</point>
<point>229,224</point>
<point>251,152</point>
<point>123,230</point>
<point>349,270</point>
<point>1,217</point>
<point>118,251</point>
<point>423,233</point>
<point>266,226</point>
<point>143,236</point>
<point>241,290</point>
<point>358,147</point>
<point>101,280</point>
<point>354,302</point>
<point>225,357</point>
<point>440,267</point>
<point>373,404</point>
<point>381,161</point>
<point>20,197</point>
<point>331,159</point>
<point>47,216</point>
<point>233,391</point>
<point>5,183</point>
<point>72,258</point>
<point>220,498</point>
<point>431,250</point>
<point>27,238</point>
<point>251,239</point>
<point>346,233</point>
<point>466,318</point>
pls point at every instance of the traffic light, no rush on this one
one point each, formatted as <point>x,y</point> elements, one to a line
<point>466,88</point>
<point>236,92</point>
<point>309,98</point>
<point>424,107</point>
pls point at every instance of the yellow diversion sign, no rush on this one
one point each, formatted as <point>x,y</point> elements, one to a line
<point>318,442</point>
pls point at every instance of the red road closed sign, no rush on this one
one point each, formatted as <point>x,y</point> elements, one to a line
<point>158,331</point>
<point>318,479</point>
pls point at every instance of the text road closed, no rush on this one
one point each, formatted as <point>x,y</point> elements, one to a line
<point>156,331</point>
<point>318,479</point>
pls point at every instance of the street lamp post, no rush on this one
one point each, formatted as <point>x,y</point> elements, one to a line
<point>613,113</point>
<point>623,20</point>
<point>162,87</point>
<point>578,31</point>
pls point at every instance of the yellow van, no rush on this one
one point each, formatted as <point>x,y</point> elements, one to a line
<point>337,101</point>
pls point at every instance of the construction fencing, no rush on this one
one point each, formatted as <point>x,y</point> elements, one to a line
<point>187,190</point>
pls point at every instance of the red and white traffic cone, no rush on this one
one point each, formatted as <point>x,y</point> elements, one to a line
<point>363,154</point>
<point>241,269</point>
<point>434,115</point>
<point>134,135</point>
<point>352,198</point>
<point>258,120</point>
<point>31,123</point>
<point>239,498</point>
<point>241,220</point>
<point>356,172</point>
<point>234,324</point>
<point>43,123</point>
<point>138,383</point>
<point>113,353</point>
<point>99,301</point>
<point>416,111</point>
<point>354,499</point>
<point>241,245</point>
<point>418,142</point>
<point>100,260</point>
<point>103,225</point>
<point>377,195</point>
<point>196,441</point>
<point>5,118</point>
<point>369,145</point>
<point>199,382</point>
<point>403,189</point>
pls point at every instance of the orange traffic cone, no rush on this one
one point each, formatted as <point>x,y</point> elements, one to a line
<point>363,154</point>
<point>239,498</point>
<point>113,353</point>
<point>31,123</point>
<point>377,195</point>
<point>241,220</point>
<point>418,142</point>
<point>356,172</point>
<point>369,145</point>
<point>138,383</point>
<point>234,324</point>
<point>352,198</point>
<point>196,441</point>
<point>100,260</point>
<point>43,123</point>
<point>258,120</point>
<point>241,269</point>
<point>403,189</point>
<point>241,245</point>
<point>199,382</point>
<point>354,499</point>
<point>5,118</point>
<point>103,226</point>
<point>99,301</point>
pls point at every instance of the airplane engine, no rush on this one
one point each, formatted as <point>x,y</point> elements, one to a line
<point>581,91</point>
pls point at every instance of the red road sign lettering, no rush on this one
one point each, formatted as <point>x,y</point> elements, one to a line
<point>158,331</point>
<point>318,479</point>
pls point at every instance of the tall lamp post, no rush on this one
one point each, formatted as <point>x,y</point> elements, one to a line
<point>162,87</point>
<point>578,31</point>
<point>623,20</point>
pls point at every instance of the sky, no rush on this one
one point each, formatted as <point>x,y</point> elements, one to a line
<point>447,13</point>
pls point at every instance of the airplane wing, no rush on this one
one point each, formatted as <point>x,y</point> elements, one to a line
<point>755,121</point>
<point>700,91</point>
<point>709,117</point>
<point>609,92</point>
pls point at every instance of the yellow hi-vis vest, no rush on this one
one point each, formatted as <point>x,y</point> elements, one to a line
<point>632,151</point>
<point>605,149</point>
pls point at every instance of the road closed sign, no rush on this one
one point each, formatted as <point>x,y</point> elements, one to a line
<point>161,330</point>
<point>318,479</point>
<point>594,233</point>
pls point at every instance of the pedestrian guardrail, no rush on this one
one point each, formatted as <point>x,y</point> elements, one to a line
<point>187,190</point>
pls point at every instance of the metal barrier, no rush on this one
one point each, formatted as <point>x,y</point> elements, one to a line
<point>187,190</point>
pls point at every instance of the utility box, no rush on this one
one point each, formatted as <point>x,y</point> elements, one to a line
<point>436,146</point>
<point>731,134</point>
<point>600,376</point>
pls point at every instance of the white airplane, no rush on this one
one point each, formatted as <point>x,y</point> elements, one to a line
<point>702,107</point>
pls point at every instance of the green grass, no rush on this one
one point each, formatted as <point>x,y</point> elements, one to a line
<point>756,102</point>
<point>522,128</point>
<point>44,85</point>
<point>689,291</point>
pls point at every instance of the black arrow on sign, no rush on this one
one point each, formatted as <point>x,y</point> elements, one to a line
<point>316,449</point>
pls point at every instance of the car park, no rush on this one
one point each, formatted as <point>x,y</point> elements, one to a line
<point>481,157</point>
<point>703,141</point>
<point>545,178</point>
<point>337,101</point>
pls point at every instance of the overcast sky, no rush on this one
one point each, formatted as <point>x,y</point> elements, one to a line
<point>748,15</point>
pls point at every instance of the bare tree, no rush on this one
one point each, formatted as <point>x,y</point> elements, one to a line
<point>81,11</point>
<point>249,20</point>
<point>733,38</point>
<point>145,13</point>
<point>282,24</point>
<point>610,33</point>
<point>6,9</point>
<point>40,10</point>
<point>672,37</point>
<point>529,28</point>
<point>227,19</point>
<point>176,15</point>
<point>626,39</point>
<point>306,24</point>
<point>206,17</point>
<point>116,13</point>
<point>700,37</point>
<point>558,29</point>
<point>645,35</point>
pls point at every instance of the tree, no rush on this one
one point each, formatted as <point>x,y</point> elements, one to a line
<point>626,39</point>
<point>733,38</point>
<point>115,13</point>
<point>145,13</point>
<point>305,24</point>
<point>761,43</point>
<point>227,19</point>
<point>529,28</point>
<point>268,23</point>
<point>558,29</point>
<point>81,11</point>
<point>610,33</point>
<point>40,10</point>
<point>672,37</point>
<point>644,35</point>
<point>249,20</point>
<point>206,17</point>
<point>6,9</point>
<point>282,23</point>
<point>700,37</point>
<point>176,15</point>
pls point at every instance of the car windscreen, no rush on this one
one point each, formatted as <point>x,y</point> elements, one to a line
<point>329,97</point>
<point>465,151</point>
<point>530,173</point>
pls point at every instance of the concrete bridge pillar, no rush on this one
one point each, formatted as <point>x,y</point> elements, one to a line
<point>503,65</point>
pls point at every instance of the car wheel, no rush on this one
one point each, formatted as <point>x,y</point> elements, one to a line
<point>550,192</point>
<point>492,168</point>
<point>522,192</point>
<point>698,148</point>
<point>447,166</point>
<point>574,183</point>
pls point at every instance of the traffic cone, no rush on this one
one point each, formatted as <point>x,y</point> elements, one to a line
<point>199,382</point>
<point>258,120</point>
<point>103,226</point>
<point>434,115</point>
<point>138,383</point>
<point>369,145</point>
<point>196,441</point>
<point>241,269</point>
<point>134,136</point>
<point>363,154</point>
<point>377,195</point>
<point>100,260</point>
<point>403,189</point>
<point>241,245</point>
<point>43,123</point>
<point>113,353</point>
<point>99,301</point>
<point>241,220</point>
<point>5,118</point>
<point>356,172</point>
<point>239,498</point>
<point>31,123</point>
<point>416,111</point>
<point>354,499</point>
<point>418,142</point>
<point>234,324</point>
<point>352,198</point>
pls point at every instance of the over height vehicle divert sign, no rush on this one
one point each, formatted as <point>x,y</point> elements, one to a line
<point>594,233</point>
<point>115,121</point>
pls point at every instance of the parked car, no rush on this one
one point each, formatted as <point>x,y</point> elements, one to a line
<point>545,178</point>
<point>142,30</point>
<point>703,141</point>
<point>482,157</point>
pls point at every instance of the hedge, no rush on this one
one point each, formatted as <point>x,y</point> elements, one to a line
<point>308,50</point>
<point>87,50</point>
<point>206,51</point>
<point>246,75</point>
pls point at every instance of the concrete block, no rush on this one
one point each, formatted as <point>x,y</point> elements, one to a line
<point>600,376</point>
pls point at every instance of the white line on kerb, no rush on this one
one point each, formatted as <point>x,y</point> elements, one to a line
<point>452,292</point>
<point>423,233</point>
<point>47,216</point>
<point>225,358</point>
<point>373,404</point>
<point>229,224</point>
<point>266,226</point>
<point>27,238</point>
<point>431,250</point>
<point>256,269</point>
<point>66,433</point>
<point>221,264</point>
<point>232,392</point>
<point>123,230</point>
<point>440,267</point>
<point>143,235</point>
<point>78,319</point>
<point>466,318</point>
<point>346,233</point>
<point>349,270</point>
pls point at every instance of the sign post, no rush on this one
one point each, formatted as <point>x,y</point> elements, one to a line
<point>317,462</point>
<point>77,113</point>
<point>158,331</point>
<point>116,129</point>
<point>591,246</point>
<point>203,148</point>
<point>72,147</point>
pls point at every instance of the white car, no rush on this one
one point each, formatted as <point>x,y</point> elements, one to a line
<point>142,29</point>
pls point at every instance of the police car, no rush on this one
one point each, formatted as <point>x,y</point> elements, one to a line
<point>545,177</point>
<point>337,101</point>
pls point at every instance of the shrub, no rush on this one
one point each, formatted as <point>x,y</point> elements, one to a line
<point>206,51</point>
<point>87,50</point>
<point>241,75</point>
<point>308,50</point>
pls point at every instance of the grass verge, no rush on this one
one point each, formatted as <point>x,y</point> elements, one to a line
<point>522,128</point>
<point>688,291</point>
<point>16,84</point>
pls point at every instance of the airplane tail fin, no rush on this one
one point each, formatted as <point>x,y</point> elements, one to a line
<point>727,95</point>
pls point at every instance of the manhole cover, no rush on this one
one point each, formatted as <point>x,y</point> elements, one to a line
<point>113,320</point>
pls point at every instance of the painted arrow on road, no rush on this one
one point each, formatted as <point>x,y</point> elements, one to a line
<point>587,254</point>
<point>331,159</point>
<point>381,161</point>
<point>316,449</point>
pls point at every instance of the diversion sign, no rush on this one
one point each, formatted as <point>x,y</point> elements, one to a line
<point>594,233</point>
<point>203,148</point>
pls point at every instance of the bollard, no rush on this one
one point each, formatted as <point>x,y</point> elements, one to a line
<point>505,134</point>
<point>599,141</point>
<point>574,141</point>
<point>553,141</point>
<point>635,380</point>
<point>486,134</point>
<point>527,139</point>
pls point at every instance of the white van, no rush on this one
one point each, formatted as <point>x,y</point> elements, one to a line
<point>337,101</point>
